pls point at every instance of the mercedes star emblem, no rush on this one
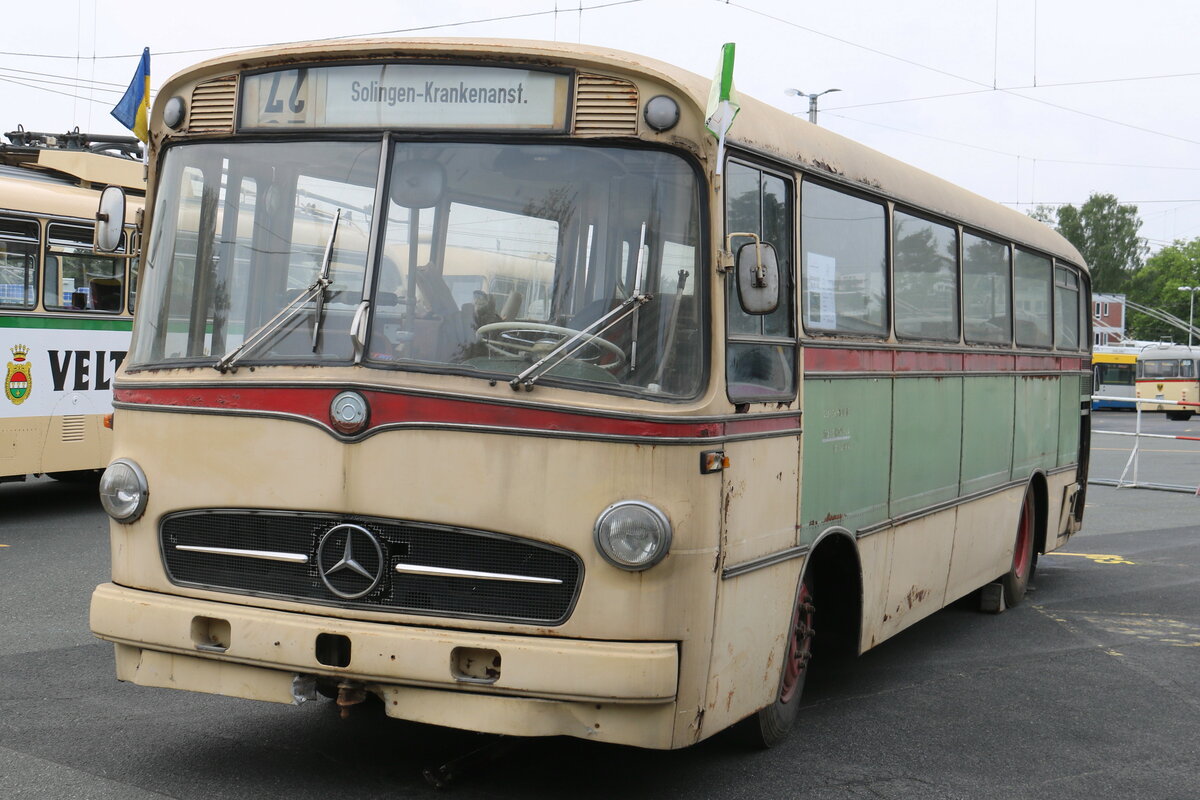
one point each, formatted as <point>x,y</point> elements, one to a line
<point>350,561</point>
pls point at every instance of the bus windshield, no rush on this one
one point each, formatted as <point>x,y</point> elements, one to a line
<point>473,258</point>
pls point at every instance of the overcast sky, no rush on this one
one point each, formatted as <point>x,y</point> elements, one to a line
<point>1022,101</point>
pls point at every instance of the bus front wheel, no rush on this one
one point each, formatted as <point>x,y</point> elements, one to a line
<point>1179,416</point>
<point>770,725</point>
<point>1016,581</point>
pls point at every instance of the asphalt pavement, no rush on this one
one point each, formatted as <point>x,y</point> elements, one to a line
<point>1090,689</point>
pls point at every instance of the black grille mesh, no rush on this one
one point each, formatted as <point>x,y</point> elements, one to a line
<point>402,542</point>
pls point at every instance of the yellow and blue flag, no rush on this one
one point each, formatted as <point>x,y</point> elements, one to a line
<point>133,110</point>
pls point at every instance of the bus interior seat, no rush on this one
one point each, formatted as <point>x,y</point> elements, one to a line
<point>105,294</point>
<point>512,305</point>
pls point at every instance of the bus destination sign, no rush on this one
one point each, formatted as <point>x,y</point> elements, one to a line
<point>404,96</point>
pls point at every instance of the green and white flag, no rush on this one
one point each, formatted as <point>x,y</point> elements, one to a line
<point>722,102</point>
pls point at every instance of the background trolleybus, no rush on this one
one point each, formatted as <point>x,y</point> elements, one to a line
<point>560,426</point>
<point>1169,372</point>
<point>64,310</point>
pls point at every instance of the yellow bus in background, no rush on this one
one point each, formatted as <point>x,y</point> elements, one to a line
<point>1114,372</point>
<point>65,312</point>
<point>472,375</point>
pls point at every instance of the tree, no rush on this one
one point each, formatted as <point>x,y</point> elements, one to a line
<point>1157,285</point>
<point>1106,234</point>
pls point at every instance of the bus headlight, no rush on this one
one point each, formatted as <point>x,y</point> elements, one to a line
<point>633,535</point>
<point>123,490</point>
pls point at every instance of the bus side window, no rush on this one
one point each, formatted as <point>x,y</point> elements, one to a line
<point>761,349</point>
<point>18,263</point>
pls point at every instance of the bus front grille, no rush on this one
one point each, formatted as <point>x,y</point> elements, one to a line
<point>398,566</point>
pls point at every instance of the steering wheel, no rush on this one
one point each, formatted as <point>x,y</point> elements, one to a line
<point>515,339</point>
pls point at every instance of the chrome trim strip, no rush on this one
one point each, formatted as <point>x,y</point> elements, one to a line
<point>899,374</point>
<point>448,572</point>
<point>912,516</point>
<point>763,562</point>
<point>265,555</point>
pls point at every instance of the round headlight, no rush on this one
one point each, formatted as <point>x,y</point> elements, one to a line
<point>123,490</point>
<point>173,112</point>
<point>633,535</point>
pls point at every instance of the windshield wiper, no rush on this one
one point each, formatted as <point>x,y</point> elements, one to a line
<point>322,282</point>
<point>629,305</point>
<point>527,378</point>
<point>317,289</point>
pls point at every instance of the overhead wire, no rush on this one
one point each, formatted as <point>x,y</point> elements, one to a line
<point>949,74</point>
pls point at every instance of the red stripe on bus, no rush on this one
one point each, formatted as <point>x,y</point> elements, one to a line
<point>908,361</point>
<point>389,409</point>
<point>830,360</point>
<point>989,362</point>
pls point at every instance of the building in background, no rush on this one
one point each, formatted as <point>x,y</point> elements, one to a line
<point>1108,319</point>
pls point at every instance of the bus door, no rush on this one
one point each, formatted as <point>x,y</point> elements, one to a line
<point>759,563</point>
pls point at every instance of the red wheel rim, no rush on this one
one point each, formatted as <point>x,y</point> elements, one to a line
<point>1023,554</point>
<point>799,651</point>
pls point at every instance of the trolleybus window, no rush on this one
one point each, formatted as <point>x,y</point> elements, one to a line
<point>1165,367</point>
<point>845,262</point>
<point>18,263</point>
<point>987,290</point>
<point>77,279</point>
<point>925,256</point>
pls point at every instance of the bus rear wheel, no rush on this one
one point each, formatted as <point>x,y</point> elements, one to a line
<point>770,725</point>
<point>1179,416</point>
<point>1016,581</point>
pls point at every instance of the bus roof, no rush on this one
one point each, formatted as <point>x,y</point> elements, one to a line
<point>1168,351</point>
<point>759,127</point>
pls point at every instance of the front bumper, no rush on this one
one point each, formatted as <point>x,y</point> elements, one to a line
<point>612,691</point>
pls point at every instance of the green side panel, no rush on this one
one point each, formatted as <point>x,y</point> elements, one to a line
<point>846,454</point>
<point>987,432</point>
<point>68,323</point>
<point>1068,420</point>
<point>1035,439</point>
<point>926,442</point>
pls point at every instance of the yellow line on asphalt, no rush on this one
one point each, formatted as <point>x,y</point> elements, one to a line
<point>1099,558</point>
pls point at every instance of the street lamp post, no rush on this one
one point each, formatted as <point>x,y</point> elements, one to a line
<point>812,101</point>
<point>1191,290</point>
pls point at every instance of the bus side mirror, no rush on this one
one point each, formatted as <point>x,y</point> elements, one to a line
<point>110,220</point>
<point>757,269</point>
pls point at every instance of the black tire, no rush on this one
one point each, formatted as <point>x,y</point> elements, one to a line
<point>770,726</point>
<point>1016,580</point>
<point>1179,416</point>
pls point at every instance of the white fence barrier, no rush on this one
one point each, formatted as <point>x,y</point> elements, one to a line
<point>1135,453</point>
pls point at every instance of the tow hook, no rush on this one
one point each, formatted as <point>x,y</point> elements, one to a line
<point>350,694</point>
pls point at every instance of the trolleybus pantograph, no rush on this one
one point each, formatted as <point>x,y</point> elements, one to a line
<point>490,392</point>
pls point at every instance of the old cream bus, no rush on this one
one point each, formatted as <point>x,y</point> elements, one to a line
<point>594,431</point>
